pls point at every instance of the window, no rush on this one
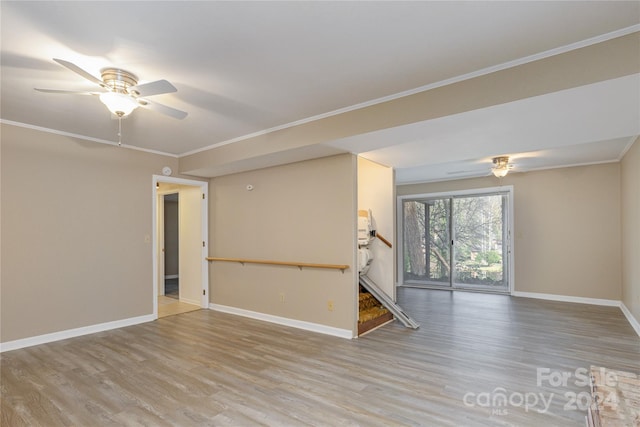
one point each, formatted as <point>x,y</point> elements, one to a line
<point>458,240</point>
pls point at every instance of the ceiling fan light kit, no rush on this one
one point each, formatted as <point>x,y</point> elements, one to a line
<point>500,166</point>
<point>123,91</point>
<point>118,103</point>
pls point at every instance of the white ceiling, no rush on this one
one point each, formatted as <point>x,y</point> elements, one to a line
<point>585,125</point>
<point>246,67</point>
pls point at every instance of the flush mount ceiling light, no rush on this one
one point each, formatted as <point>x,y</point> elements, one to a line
<point>500,166</point>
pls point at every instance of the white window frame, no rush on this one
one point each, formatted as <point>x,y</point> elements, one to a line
<point>445,194</point>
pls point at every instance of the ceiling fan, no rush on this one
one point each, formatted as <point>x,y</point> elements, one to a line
<point>123,93</point>
<point>501,167</point>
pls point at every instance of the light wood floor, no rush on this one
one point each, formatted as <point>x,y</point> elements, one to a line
<point>169,306</point>
<point>206,368</point>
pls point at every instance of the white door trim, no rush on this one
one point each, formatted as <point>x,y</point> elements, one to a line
<point>204,215</point>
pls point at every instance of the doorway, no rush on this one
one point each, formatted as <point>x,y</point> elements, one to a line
<point>459,240</point>
<point>171,246</point>
<point>180,245</point>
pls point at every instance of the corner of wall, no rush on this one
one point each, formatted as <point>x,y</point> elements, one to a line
<point>630,231</point>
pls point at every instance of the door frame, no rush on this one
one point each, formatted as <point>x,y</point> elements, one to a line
<point>204,215</point>
<point>445,194</point>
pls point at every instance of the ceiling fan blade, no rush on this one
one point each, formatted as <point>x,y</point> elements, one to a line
<point>67,92</point>
<point>460,172</point>
<point>80,71</point>
<point>160,108</point>
<point>152,88</point>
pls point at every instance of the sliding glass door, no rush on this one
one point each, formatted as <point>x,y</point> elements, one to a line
<point>459,241</point>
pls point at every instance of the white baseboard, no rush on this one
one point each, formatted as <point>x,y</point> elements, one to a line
<point>566,298</point>
<point>634,322</point>
<point>171,276</point>
<point>307,326</point>
<point>72,333</point>
<point>581,300</point>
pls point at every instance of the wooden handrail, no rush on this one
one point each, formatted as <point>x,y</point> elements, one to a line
<point>341,267</point>
<point>385,241</point>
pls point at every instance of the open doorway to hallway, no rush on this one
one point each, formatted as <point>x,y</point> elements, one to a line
<point>180,236</point>
<point>171,247</point>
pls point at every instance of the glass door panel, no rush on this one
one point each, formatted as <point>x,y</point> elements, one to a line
<point>458,241</point>
<point>438,252</point>
<point>426,237</point>
<point>479,249</point>
<point>414,241</point>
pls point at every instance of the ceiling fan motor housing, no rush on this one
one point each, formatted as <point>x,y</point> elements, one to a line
<point>118,80</point>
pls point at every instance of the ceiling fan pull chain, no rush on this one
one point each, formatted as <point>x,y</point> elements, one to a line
<point>119,131</point>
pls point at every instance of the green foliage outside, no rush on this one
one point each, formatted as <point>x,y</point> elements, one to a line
<point>477,227</point>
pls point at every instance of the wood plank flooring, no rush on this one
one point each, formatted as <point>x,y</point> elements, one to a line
<point>168,306</point>
<point>206,368</point>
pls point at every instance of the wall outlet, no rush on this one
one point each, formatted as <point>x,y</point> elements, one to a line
<point>282,297</point>
<point>330,305</point>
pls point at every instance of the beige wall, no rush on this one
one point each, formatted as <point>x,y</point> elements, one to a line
<point>303,212</point>
<point>567,228</point>
<point>376,191</point>
<point>630,184</point>
<point>76,216</point>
